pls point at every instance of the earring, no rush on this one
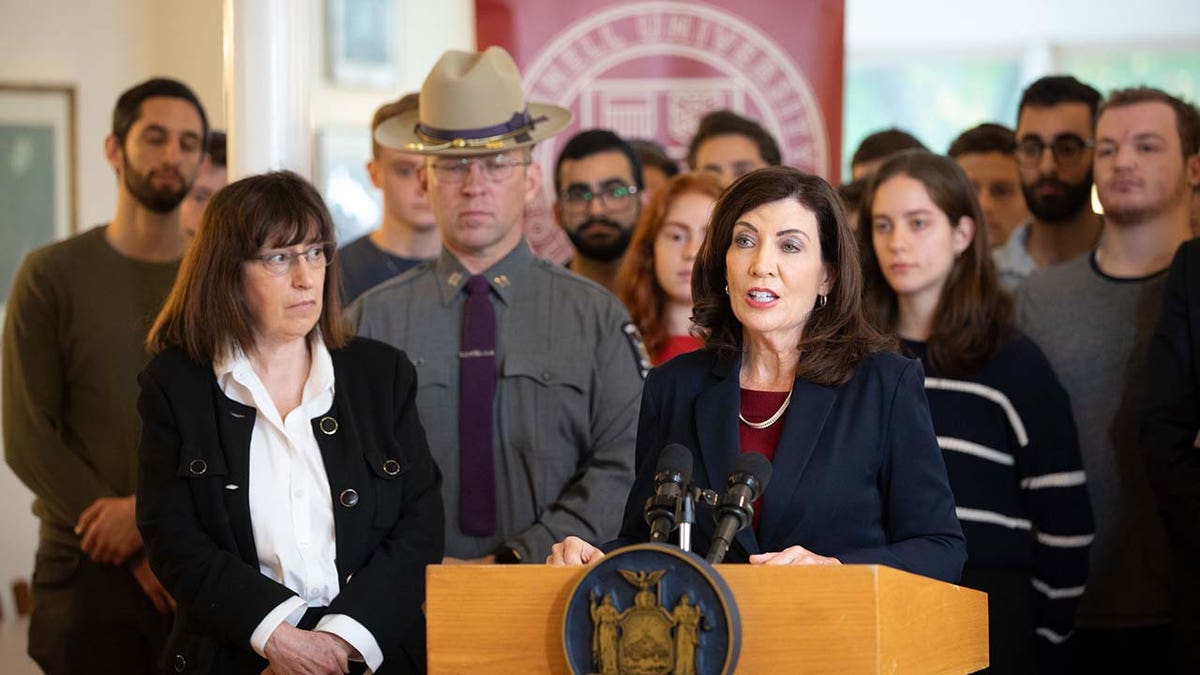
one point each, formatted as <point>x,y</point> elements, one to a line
<point>726,289</point>
<point>822,300</point>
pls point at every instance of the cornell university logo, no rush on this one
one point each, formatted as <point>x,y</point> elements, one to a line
<point>652,69</point>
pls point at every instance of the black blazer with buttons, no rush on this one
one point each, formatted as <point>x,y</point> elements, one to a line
<point>384,486</point>
<point>857,473</point>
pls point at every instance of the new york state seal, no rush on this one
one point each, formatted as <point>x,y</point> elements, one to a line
<point>651,610</point>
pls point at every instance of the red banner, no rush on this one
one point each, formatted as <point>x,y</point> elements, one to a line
<point>653,69</point>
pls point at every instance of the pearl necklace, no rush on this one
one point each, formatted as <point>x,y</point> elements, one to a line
<point>770,420</point>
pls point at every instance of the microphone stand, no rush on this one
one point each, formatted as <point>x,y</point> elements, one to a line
<point>687,517</point>
<point>687,513</point>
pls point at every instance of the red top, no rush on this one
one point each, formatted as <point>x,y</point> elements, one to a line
<point>676,345</point>
<point>758,406</point>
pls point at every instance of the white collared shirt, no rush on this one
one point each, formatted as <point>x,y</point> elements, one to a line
<point>291,507</point>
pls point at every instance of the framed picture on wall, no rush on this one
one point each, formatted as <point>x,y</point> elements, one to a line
<point>37,171</point>
<point>341,174</point>
<point>362,41</point>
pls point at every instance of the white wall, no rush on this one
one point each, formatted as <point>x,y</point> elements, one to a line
<point>103,48</point>
<point>430,28</point>
<point>929,25</point>
<point>1037,37</point>
<point>1031,29</point>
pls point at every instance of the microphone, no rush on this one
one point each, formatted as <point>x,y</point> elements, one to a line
<point>671,479</point>
<point>735,509</point>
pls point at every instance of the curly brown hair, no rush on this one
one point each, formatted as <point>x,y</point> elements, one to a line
<point>837,336</point>
<point>637,284</point>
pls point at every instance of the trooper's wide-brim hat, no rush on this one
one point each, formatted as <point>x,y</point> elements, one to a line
<point>472,104</point>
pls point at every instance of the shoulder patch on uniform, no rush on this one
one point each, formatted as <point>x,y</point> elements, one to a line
<point>640,355</point>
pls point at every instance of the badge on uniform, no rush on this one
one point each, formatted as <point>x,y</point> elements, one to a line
<point>640,355</point>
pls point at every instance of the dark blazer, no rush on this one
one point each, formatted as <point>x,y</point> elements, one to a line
<point>195,445</point>
<point>1171,411</point>
<point>858,474</point>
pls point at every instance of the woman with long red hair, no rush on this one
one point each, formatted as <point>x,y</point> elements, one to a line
<point>655,280</point>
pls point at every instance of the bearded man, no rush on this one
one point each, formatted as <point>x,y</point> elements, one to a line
<point>1055,140</point>
<point>77,319</point>
<point>597,179</point>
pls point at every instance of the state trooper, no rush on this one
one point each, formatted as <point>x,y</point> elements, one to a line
<point>530,376</point>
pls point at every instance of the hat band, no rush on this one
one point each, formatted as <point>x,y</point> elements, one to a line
<point>484,137</point>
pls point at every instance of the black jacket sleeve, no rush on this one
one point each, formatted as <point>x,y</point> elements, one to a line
<point>1171,409</point>
<point>216,591</point>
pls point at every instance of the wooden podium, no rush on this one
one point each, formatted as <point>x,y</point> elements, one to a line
<point>822,619</point>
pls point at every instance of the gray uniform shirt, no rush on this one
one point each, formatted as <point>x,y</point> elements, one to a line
<point>567,394</point>
<point>1094,330</point>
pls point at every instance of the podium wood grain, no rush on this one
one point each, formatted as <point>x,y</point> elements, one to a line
<point>836,619</point>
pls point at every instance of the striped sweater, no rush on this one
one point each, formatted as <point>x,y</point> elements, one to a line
<point>1012,453</point>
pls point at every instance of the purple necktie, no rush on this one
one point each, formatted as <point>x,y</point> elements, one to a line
<point>476,397</point>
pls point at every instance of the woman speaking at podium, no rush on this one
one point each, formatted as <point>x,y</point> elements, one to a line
<point>791,369</point>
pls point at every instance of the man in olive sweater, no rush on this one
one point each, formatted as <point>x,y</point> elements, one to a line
<point>73,345</point>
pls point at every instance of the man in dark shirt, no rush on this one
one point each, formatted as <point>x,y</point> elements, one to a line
<point>597,180</point>
<point>408,233</point>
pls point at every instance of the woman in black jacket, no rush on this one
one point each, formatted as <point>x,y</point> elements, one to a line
<point>791,370</point>
<point>287,496</point>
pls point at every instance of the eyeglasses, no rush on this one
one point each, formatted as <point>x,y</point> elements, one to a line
<point>1067,149</point>
<point>613,197</point>
<point>279,263</point>
<point>495,168</point>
